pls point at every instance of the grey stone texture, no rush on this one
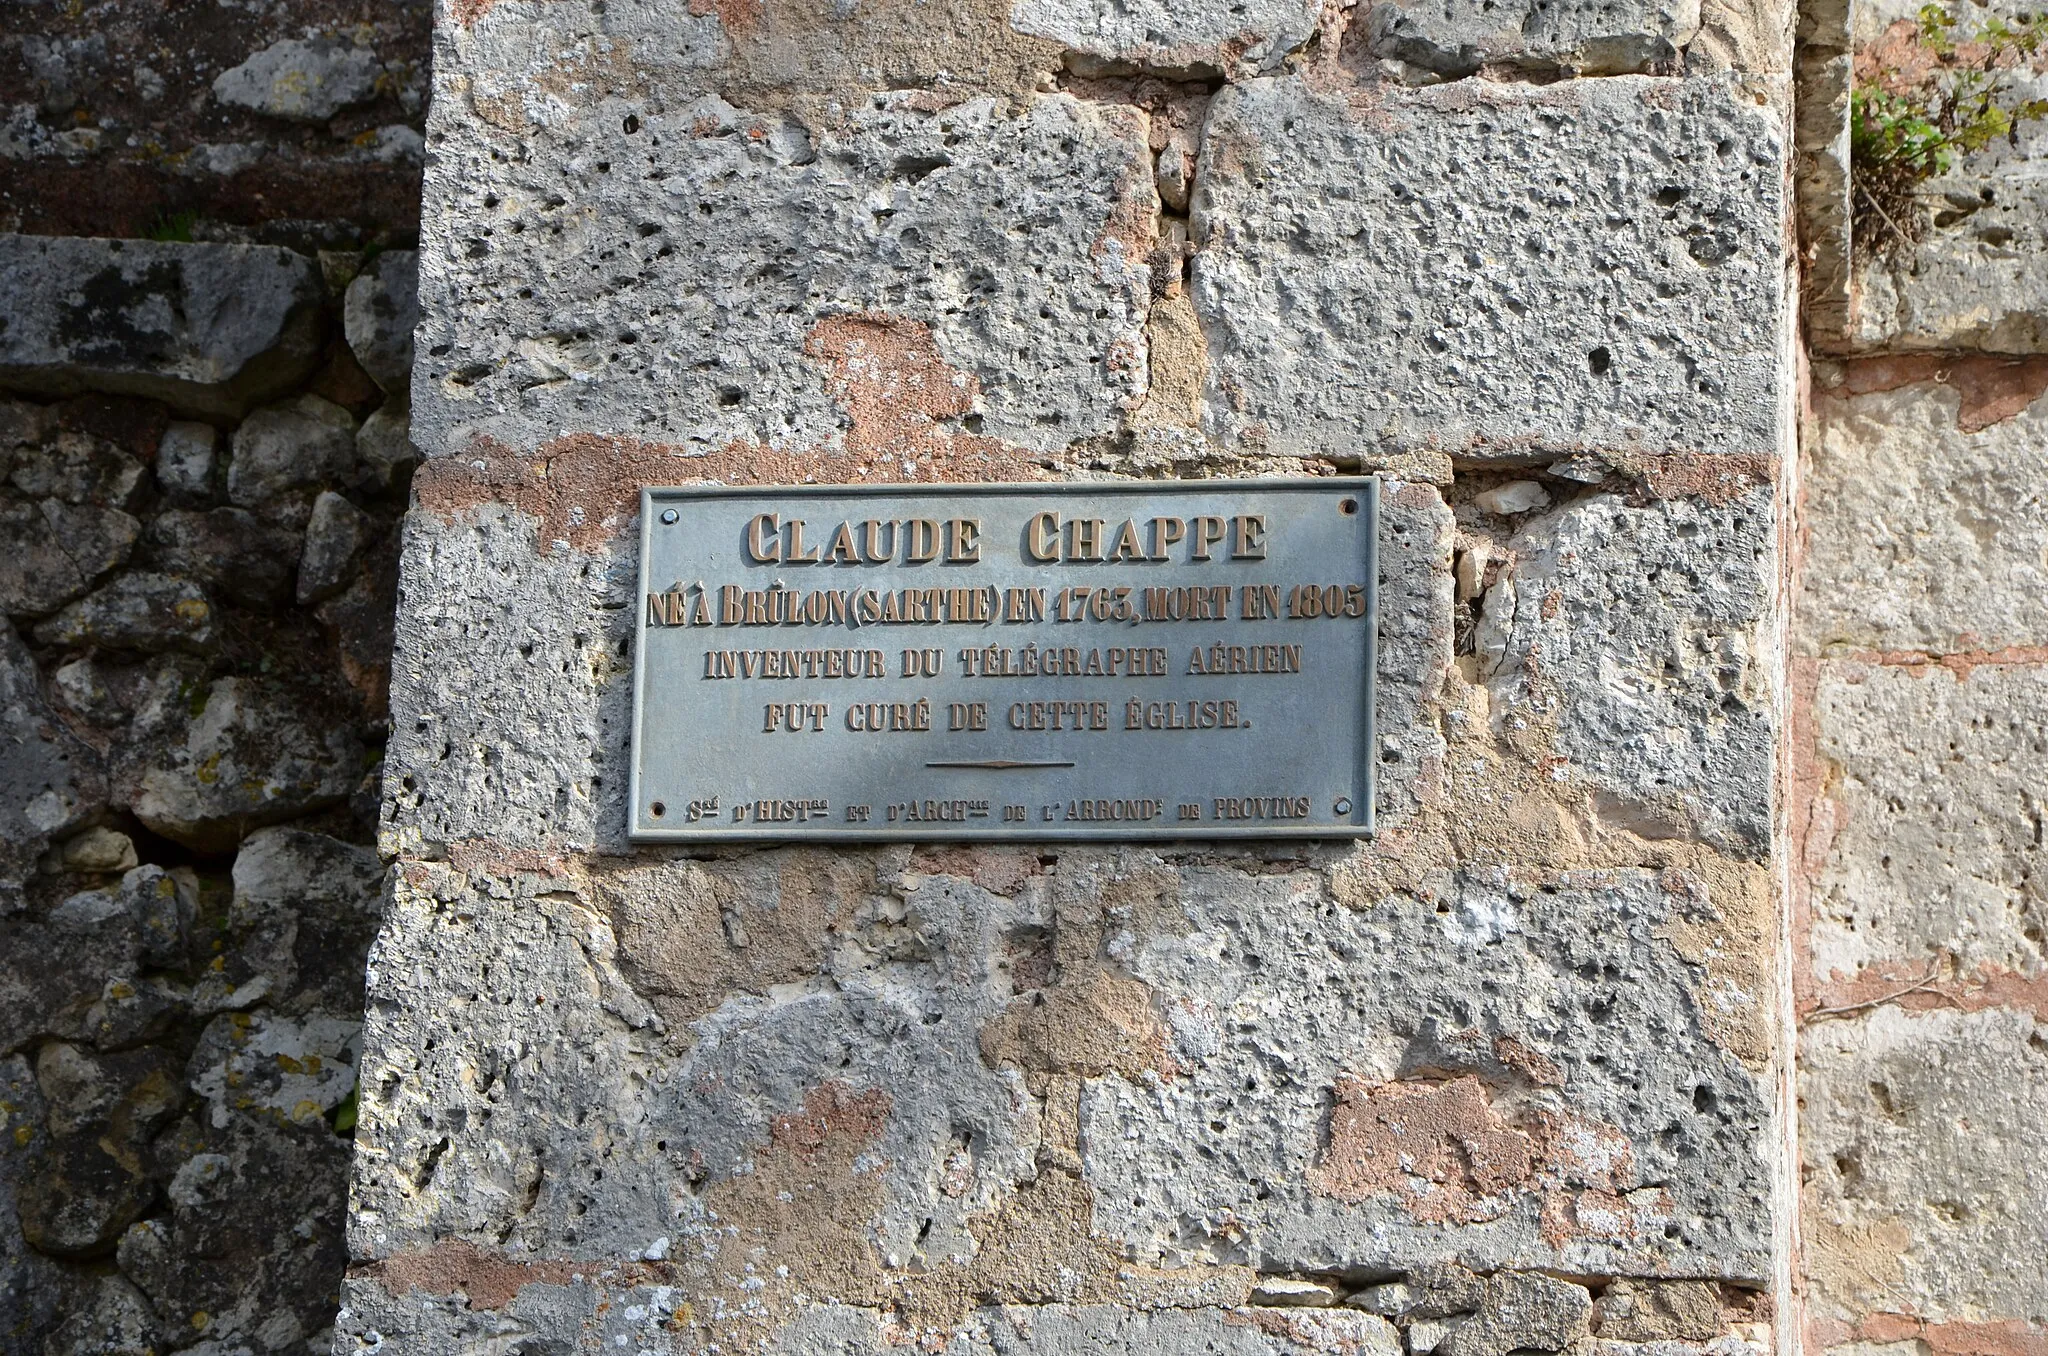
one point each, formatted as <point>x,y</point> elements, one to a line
<point>1918,515</point>
<point>1519,308</point>
<point>208,329</point>
<point>300,80</point>
<point>1923,1172</point>
<point>1932,845</point>
<point>1180,40</point>
<point>180,985</point>
<point>1450,38</point>
<point>1646,668</point>
<point>1977,280</point>
<point>1017,243</point>
<point>379,313</point>
<point>1027,1099</point>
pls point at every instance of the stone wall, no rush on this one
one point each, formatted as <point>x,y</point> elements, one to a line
<point>1506,1078</point>
<point>203,462</point>
<point>1920,683</point>
<point>292,122</point>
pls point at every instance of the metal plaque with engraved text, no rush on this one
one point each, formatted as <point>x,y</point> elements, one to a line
<point>1108,661</point>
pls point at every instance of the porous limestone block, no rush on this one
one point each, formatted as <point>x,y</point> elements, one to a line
<point>209,329</point>
<point>1501,272</point>
<point>1633,636</point>
<point>511,701</point>
<point>1192,41</point>
<point>509,697</point>
<point>617,1308</point>
<point>1452,38</point>
<point>1931,822</point>
<point>1977,279</point>
<point>1917,534</point>
<point>680,282</point>
<point>1924,1166</point>
<point>1335,1074</point>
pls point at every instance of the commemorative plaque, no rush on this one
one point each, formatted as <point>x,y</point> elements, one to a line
<point>1139,660</point>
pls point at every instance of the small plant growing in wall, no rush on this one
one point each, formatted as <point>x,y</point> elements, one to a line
<point>1922,103</point>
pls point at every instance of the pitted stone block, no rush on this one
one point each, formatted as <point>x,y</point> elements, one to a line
<point>1916,535</point>
<point>1922,1172</point>
<point>1518,306</point>
<point>1634,636</point>
<point>559,297</point>
<point>1461,1110</point>
<point>1932,820</point>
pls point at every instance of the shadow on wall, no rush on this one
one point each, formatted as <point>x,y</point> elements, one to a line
<point>202,471</point>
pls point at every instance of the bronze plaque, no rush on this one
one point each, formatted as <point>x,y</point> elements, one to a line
<point>1141,660</point>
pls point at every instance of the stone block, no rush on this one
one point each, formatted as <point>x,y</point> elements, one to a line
<point>1632,637</point>
<point>1520,307</point>
<point>1923,1168</point>
<point>1916,534</point>
<point>230,552</point>
<point>1185,41</point>
<point>304,81</point>
<point>336,533</point>
<point>1002,255</point>
<point>266,756</point>
<point>1930,831</point>
<point>138,610</point>
<point>53,781</point>
<point>1241,1146</point>
<point>58,552</point>
<point>379,313</point>
<point>1454,38</point>
<point>185,462</point>
<point>285,454</point>
<point>208,329</point>
<point>1977,279</point>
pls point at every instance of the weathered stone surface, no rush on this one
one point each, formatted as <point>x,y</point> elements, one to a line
<point>113,1318</point>
<point>75,467</point>
<point>33,1289</point>
<point>1929,840</point>
<point>301,80</point>
<point>285,454</point>
<point>1518,307</point>
<point>185,462</point>
<point>53,780</point>
<point>232,552</point>
<point>57,552</point>
<point>305,909</point>
<point>1188,41</point>
<point>251,756</point>
<point>1913,541</point>
<point>140,610</point>
<point>1923,1173</point>
<point>607,1308</point>
<point>384,447</point>
<point>1522,1311</point>
<point>1641,666</point>
<point>380,312</point>
<point>89,1183</point>
<point>1978,279</point>
<point>1450,38</point>
<point>336,533</point>
<point>248,1255</point>
<point>206,328</point>
<point>1660,1311</point>
<point>893,214</point>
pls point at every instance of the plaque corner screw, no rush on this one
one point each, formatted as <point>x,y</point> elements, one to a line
<point>1343,806</point>
<point>668,515</point>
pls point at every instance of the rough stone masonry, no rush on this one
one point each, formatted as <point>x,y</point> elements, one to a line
<point>1510,1077</point>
